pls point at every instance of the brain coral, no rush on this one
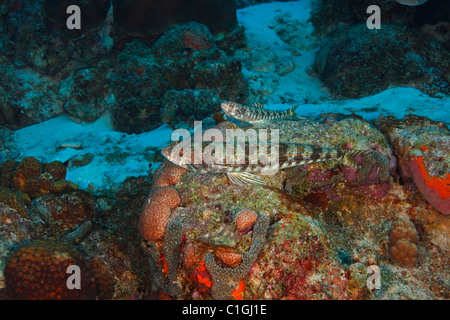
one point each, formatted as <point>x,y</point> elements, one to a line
<point>156,212</point>
<point>168,174</point>
<point>38,271</point>
<point>402,243</point>
<point>404,252</point>
<point>403,229</point>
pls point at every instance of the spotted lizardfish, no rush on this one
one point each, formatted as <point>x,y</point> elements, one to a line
<point>250,167</point>
<point>255,113</point>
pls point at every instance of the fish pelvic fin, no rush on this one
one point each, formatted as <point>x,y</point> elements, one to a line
<point>245,178</point>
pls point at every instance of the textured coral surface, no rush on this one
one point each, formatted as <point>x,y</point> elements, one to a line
<point>39,271</point>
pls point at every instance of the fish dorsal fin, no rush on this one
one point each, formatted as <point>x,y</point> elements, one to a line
<point>259,105</point>
<point>244,178</point>
<point>291,110</point>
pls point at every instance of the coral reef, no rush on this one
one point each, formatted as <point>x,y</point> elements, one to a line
<point>46,262</point>
<point>328,224</point>
<point>331,13</point>
<point>156,212</point>
<point>87,94</point>
<point>108,241</point>
<point>23,108</point>
<point>226,279</point>
<point>63,213</point>
<point>422,148</point>
<point>36,42</point>
<point>87,72</point>
<point>311,233</point>
<point>13,200</point>
<point>355,63</point>
<point>338,132</point>
<point>183,104</point>
<point>167,77</point>
<point>33,178</point>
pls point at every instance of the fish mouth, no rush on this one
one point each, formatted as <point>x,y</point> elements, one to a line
<point>227,107</point>
<point>168,153</point>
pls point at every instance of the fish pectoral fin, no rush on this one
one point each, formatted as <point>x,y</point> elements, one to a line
<point>243,178</point>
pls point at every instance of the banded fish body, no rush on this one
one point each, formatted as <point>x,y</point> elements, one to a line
<point>246,167</point>
<point>256,113</point>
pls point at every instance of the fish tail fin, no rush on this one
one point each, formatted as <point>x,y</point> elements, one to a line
<point>348,158</point>
<point>291,110</point>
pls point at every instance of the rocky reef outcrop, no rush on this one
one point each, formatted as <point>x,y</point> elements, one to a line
<point>312,241</point>
<point>183,76</point>
<point>411,49</point>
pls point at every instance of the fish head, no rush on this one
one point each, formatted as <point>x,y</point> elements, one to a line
<point>232,109</point>
<point>175,154</point>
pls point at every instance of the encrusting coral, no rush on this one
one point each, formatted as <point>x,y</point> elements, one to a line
<point>226,279</point>
<point>156,224</point>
